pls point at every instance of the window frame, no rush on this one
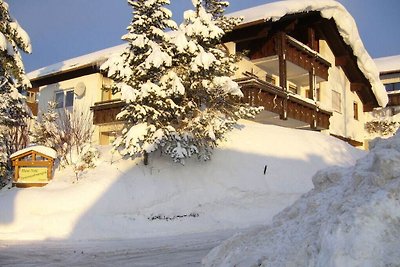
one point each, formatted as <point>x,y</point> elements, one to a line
<point>355,111</point>
<point>62,103</point>
<point>337,107</point>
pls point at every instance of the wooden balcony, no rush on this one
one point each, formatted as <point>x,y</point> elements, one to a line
<point>287,105</point>
<point>290,59</point>
<point>106,111</point>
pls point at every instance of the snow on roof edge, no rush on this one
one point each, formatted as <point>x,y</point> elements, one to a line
<point>388,64</point>
<point>76,62</point>
<point>344,21</point>
<point>40,149</point>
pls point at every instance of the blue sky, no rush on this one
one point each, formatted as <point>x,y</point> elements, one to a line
<point>63,29</point>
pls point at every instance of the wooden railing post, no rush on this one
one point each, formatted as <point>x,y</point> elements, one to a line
<point>281,49</point>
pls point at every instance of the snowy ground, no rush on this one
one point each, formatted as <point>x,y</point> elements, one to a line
<point>181,250</point>
<point>350,218</point>
<point>124,200</point>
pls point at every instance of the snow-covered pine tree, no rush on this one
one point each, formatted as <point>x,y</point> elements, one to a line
<point>217,9</point>
<point>47,129</point>
<point>13,110</point>
<point>179,95</point>
<point>212,98</point>
<point>144,76</point>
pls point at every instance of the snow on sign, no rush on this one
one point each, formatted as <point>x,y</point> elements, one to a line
<point>33,166</point>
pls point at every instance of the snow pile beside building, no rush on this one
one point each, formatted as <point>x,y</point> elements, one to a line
<point>252,176</point>
<point>350,218</point>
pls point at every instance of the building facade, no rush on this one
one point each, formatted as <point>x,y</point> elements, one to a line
<point>296,64</point>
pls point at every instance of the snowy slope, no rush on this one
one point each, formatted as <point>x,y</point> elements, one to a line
<point>126,199</point>
<point>350,218</point>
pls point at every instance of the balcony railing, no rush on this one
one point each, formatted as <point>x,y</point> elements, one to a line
<point>274,99</point>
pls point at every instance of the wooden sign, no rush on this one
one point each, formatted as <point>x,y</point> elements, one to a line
<point>33,166</point>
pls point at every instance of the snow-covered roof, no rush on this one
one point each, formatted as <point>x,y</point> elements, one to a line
<point>388,64</point>
<point>47,151</point>
<point>272,11</point>
<point>91,59</point>
<point>329,9</point>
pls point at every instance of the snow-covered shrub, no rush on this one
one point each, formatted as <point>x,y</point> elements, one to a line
<point>86,159</point>
<point>66,132</point>
<point>13,110</point>
<point>180,97</point>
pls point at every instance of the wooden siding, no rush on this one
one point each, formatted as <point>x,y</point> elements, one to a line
<point>106,111</point>
<point>33,107</point>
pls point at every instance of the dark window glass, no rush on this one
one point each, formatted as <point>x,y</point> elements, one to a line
<point>69,99</point>
<point>59,99</point>
<point>392,87</point>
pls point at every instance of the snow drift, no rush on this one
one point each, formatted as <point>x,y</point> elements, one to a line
<point>125,199</point>
<point>350,218</point>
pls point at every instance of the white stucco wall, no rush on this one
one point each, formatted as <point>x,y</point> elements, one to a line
<point>342,122</point>
<point>93,83</point>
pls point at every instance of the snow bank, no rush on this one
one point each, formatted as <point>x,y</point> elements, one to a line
<point>329,9</point>
<point>350,218</point>
<point>126,199</point>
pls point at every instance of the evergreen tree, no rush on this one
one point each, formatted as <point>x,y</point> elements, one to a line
<point>217,9</point>
<point>206,69</point>
<point>47,130</point>
<point>13,110</point>
<point>179,95</point>
<point>144,76</point>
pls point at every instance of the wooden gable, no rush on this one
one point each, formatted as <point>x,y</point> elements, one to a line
<point>259,39</point>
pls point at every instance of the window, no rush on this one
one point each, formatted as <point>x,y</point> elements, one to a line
<point>392,86</point>
<point>293,88</point>
<point>269,78</point>
<point>31,97</point>
<point>355,110</point>
<point>64,99</point>
<point>317,93</point>
<point>336,101</point>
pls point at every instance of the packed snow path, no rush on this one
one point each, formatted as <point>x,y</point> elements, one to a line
<point>182,250</point>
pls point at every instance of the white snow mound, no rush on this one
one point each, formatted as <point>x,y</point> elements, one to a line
<point>123,199</point>
<point>350,218</point>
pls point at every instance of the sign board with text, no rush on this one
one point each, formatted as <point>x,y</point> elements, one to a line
<point>33,166</point>
<point>33,175</point>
